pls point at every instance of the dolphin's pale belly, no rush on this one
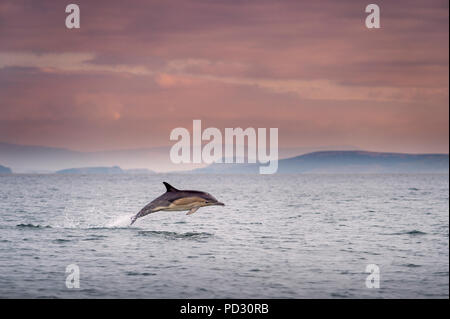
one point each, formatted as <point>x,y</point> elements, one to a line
<point>175,208</point>
<point>182,206</point>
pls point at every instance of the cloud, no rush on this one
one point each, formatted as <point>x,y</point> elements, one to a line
<point>65,62</point>
<point>329,90</point>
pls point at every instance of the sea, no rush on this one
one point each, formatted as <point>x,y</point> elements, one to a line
<point>279,236</point>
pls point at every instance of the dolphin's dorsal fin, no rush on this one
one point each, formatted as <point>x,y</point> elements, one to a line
<point>170,188</point>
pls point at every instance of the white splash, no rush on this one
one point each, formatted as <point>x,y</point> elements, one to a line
<point>121,221</point>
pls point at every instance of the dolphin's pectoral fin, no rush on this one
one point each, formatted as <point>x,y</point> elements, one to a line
<point>193,210</point>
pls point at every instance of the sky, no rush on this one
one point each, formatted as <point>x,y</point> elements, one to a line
<point>136,70</point>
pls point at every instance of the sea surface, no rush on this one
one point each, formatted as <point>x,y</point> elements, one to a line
<point>279,236</point>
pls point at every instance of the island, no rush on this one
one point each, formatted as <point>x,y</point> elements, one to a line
<point>5,170</point>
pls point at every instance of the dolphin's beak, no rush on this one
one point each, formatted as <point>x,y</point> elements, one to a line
<point>220,204</point>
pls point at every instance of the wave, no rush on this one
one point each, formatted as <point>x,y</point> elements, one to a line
<point>119,222</point>
<point>32,226</point>
<point>61,241</point>
<point>133,273</point>
<point>411,265</point>
<point>415,232</point>
<point>412,233</point>
<point>174,235</point>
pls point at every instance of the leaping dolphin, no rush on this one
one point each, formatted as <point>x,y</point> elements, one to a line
<point>178,200</point>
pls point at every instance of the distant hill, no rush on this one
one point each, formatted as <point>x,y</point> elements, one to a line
<point>92,170</point>
<point>103,170</point>
<point>5,170</point>
<point>42,159</point>
<point>139,171</point>
<point>344,162</point>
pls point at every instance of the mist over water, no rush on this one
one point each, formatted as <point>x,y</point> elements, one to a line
<point>279,236</point>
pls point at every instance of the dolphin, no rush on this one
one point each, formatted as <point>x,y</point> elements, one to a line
<point>178,200</point>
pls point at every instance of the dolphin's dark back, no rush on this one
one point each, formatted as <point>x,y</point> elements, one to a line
<point>173,193</point>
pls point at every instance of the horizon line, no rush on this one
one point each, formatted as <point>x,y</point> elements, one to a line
<point>354,149</point>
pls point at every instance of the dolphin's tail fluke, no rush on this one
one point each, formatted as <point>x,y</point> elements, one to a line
<point>133,219</point>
